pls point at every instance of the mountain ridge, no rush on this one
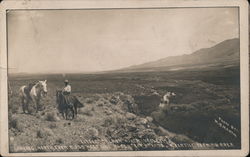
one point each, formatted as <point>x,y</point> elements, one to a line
<point>225,52</point>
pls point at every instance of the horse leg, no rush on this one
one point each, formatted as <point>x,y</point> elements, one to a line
<point>27,106</point>
<point>37,105</point>
<point>169,106</point>
<point>75,106</point>
<point>63,114</point>
<point>66,114</point>
<point>23,104</point>
<point>73,112</point>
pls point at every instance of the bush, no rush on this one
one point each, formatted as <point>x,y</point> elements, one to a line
<point>92,133</point>
<point>38,116</point>
<point>52,125</point>
<point>130,116</point>
<point>120,119</point>
<point>14,108</point>
<point>89,100</point>
<point>39,134</point>
<point>100,129</point>
<point>44,133</point>
<point>15,124</point>
<point>114,100</point>
<point>115,120</point>
<point>59,141</point>
<point>51,116</point>
<point>14,103</point>
<point>108,121</point>
<point>100,104</point>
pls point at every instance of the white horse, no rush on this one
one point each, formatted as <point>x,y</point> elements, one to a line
<point>34,93</point>
<point>166,99</point>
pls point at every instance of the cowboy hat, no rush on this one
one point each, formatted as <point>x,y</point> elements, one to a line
<point>66,81</point>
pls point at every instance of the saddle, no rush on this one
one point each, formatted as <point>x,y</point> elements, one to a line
<point>68,99</point>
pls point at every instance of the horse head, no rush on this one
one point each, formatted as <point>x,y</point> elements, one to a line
<point>58,96</point>
<point>173,94</point>
<point>43,87</point>
<point>170,94</point>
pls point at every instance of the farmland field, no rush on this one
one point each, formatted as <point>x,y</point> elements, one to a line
<point>206,101</point>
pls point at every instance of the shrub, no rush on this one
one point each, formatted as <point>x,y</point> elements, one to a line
<point>108,121</point>
<point>52,125</point>
<point>114,100</point>
<point>120,119</point>
<point>15,124</point>
<point>14,108</point>
<point>38,116</point>
<point>100,104</point>
<point>39,134</point>
<point>59,141</point>
<point>89,100</point>
<point>44,133</point>
<point>92,133</point>
<point>100,129</point>
<point>31,108</point>
<point>51,116</point>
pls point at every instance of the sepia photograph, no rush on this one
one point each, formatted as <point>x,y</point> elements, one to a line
<point>127,79</point>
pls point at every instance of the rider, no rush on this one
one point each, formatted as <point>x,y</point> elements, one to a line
<point>66,91</point>
<point>67,88</point>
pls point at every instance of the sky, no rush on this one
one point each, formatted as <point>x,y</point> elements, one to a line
<point>62,41</point>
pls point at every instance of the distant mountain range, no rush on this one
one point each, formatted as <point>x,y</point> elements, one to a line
<point>226,53</point>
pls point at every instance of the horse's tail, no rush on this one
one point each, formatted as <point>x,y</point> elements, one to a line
<point>79,104</point>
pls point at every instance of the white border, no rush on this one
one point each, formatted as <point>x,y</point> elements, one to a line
<point>78,4</point>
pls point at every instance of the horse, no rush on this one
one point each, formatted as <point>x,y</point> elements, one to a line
<point>66,108</point>
<point>32,92</point>
<point>165,101</point>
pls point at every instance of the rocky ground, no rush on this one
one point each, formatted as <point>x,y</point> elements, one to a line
<point>107,122</point>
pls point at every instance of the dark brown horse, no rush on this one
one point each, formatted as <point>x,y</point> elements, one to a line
<point>68,108</point>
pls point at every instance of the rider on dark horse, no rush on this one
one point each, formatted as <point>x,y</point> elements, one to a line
<point>66,92</point>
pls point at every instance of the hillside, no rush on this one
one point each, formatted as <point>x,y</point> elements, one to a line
<point>103,124</point>
<point>224,53</point>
